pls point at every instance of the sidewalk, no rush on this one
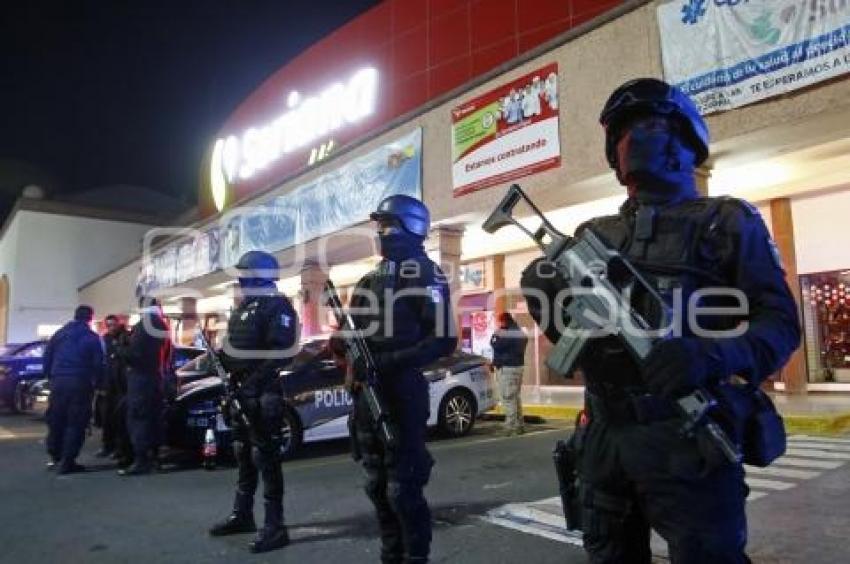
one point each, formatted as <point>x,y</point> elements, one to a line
<point>814,413</point>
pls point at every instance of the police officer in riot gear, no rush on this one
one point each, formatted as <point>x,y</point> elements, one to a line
<point>406,302</point>
<point>636,470</point>
<point>262,335</point>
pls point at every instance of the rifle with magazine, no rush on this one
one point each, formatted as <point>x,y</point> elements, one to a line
<point>358,350</point>
<point>230,403</point>
<point>601,281</point>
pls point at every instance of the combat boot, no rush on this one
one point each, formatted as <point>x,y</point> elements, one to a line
<point>273,535</point>
<point>141,466</point>
<point>234,524</point>
<point>69,467</point>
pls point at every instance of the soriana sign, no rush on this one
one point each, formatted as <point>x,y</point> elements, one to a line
<point>509,132</point>
<point>305,125</point>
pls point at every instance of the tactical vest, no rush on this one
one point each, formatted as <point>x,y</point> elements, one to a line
<point>678,249</point>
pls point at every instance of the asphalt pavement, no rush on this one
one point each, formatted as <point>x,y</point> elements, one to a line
<point>491,498</point>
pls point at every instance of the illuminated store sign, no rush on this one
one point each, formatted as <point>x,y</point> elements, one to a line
<point>306,120</point>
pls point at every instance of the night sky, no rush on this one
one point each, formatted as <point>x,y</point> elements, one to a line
<point>117,92</point>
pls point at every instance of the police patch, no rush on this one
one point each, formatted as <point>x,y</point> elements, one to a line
<point>285,320</point>
<point>436,294</point>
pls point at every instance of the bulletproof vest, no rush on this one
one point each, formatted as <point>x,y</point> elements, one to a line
<point>387,302</point>
<point>677,249</point>
<point>246,330</point>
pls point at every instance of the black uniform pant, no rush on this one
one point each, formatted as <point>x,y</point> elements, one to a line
<point>107,406</point>
<point>144,413</point>
<point>636,477</point>
<point>257,451</point>
<point>395,479</point>
<point>68,415</point>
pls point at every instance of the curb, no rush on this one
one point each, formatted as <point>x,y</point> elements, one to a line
<point>832,424</point>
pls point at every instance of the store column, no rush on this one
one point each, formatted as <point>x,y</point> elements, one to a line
<point>793,375</point>
<point>313,280</point>
<point>188,321</point>
<point>443,246</point>
<point>701,175</point>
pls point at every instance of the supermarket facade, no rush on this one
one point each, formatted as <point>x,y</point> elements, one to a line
<point>451,102</point>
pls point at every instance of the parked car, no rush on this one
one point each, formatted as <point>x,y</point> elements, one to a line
<point>316,403</point>
<point>38,391</point>
<point>20,365</point>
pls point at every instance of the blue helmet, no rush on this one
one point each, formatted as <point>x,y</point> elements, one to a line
<point>650,96</point>
<point>258,265</point>
<point>409,212</point>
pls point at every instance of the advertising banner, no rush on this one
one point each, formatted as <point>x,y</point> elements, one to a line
<point>329,203</point>
<point>483,327</point>
<point>338,199</point>
<point>729,53</point>
<point>507,133</point>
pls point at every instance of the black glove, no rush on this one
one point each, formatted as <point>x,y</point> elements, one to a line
<point>676,367</point>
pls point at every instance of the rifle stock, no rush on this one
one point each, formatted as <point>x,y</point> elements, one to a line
<point>230,398</point>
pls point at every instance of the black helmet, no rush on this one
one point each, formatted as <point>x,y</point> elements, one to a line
<point>652,96</point>
<point>410,212</point>
<point>258,264</point>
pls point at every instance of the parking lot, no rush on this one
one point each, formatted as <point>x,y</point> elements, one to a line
<point>98,516</point>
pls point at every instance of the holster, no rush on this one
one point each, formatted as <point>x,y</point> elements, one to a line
<point>566,458</point>
<point>356,455</point>
<point>764,438</point>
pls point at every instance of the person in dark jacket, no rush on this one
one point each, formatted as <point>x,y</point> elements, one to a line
<point>508,344</point>
<point>73,364</point>
<point>406,306</point>
<point>147,355</point>
<point>638,472</point>
<point>116,441</point>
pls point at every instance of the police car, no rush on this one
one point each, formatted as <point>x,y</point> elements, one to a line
<point>316,403</point>
<point>20,366</point>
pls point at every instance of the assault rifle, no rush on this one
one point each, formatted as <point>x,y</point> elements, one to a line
<point>231,400</point>
<point>357,348</point>
<point>601,282</point>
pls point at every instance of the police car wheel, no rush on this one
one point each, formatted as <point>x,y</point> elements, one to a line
<point>291,435</point>
<point>457,413</point>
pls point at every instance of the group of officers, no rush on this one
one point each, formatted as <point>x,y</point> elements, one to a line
<point>118,379</point>
<point>637,472</point>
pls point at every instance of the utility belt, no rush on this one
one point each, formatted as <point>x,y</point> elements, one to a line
<point>640,409</point>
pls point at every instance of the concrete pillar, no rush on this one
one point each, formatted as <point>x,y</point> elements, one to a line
<point>701,175</point>
<point>189,321</point>
<point>313,280</point>
<point>443,246</point>
<point>496,269</point>
<point>793,375</point>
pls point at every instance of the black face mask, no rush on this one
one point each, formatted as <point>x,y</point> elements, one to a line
<point>397,245</point>
<point>656,166</point>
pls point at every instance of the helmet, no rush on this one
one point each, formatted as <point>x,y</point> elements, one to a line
<point>652,96</point>
<point>258,264</point>
<point>410,212</point>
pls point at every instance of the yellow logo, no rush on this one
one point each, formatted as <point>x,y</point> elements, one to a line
<point>218,182</point>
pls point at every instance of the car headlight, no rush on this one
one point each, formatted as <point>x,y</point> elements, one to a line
<point>437,375</point>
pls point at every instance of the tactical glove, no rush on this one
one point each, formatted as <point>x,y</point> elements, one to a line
<point>676,367</point>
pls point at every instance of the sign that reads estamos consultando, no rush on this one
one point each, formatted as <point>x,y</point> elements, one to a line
<point>507,133</point>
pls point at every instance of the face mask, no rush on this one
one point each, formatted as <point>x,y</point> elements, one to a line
<point>256,283</point>
<point>655,165</point>
<point>396,244</point>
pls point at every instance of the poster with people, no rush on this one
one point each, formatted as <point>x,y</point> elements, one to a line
<point>728,54</point>
<point>507,133</point>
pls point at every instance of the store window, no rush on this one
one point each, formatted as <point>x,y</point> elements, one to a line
<point>826,323</point>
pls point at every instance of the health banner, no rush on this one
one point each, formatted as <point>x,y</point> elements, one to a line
<point>507,133</point>
<point>729,53</point>
<point>331,202</point>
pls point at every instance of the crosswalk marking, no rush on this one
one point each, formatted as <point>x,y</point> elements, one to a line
<point>821,439</point>
<point>812,453</point>
<point>769,484</point>
<point>806,458</point>
<point>806,463</point>
<point>6,434</point>
<point>783,472</point>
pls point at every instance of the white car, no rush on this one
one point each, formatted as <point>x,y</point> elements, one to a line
<point>317,405</point>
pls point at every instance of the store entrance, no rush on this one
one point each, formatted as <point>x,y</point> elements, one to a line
<point>826,318</point>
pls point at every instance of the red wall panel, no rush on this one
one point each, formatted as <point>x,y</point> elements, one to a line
<point>421,49</point>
